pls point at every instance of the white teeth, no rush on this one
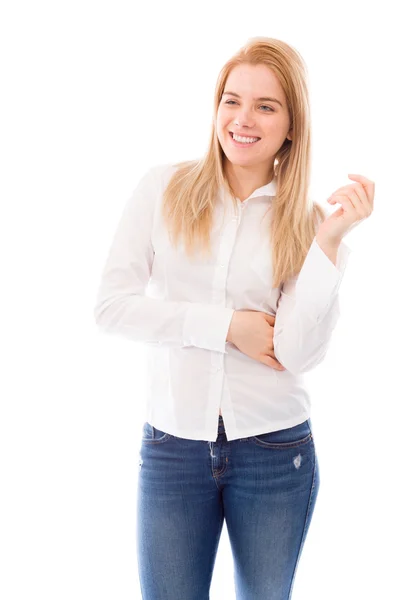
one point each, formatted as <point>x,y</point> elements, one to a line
<point>244,140</point>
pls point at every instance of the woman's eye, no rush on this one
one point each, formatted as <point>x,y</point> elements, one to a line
<point>263,105</point>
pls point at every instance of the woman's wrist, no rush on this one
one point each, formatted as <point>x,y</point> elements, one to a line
<point>329,247</point>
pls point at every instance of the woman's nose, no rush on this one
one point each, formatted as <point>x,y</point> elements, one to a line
<point>244,119</point>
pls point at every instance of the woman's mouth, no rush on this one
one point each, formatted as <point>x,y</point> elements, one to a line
<point>244,144</point>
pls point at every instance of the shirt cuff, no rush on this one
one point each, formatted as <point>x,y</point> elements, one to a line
<point>319,279</point>
<point>206,326</point>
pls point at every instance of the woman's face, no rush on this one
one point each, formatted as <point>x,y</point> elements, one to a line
<point>243,112</point>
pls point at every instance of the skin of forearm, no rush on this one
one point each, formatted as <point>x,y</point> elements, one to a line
<point>330,248</point>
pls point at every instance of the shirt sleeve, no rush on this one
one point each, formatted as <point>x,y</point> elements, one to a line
<point>308,310</point>
<point>121,305</point>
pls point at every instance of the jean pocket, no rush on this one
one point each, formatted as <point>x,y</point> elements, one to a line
<point>292,437</point>
<point>152,435</point>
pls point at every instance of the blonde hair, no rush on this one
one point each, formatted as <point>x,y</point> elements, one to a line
<point>191,193</point>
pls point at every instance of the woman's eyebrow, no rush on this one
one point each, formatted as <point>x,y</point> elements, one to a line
<point>257,99</point>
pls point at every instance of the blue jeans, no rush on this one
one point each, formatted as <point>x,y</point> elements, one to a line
<point>264,487</point>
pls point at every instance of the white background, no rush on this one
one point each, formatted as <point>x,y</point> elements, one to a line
<point>93,94</point>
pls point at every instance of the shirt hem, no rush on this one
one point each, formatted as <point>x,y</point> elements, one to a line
<point>235,435</point>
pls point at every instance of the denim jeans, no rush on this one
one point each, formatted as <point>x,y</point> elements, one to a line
<point>264,487</point>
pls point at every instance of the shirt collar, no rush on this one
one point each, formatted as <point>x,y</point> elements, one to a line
<point>266,190</point>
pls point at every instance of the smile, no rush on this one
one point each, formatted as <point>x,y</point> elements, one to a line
<point>243,144</point>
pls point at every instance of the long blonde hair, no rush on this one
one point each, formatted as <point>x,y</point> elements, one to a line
<point>190,196</point>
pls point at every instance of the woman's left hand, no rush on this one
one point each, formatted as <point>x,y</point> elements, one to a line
<point>357,203</point>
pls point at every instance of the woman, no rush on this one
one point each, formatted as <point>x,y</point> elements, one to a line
<point>229,274</point>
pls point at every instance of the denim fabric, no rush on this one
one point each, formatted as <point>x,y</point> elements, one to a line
<point>264,487</point>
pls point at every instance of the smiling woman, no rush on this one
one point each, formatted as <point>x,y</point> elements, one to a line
<point>230,330</point>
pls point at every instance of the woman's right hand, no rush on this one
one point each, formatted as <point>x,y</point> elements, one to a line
<point>252,332</point>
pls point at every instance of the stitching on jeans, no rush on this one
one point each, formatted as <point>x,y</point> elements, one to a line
<point>304,527</point>
<point>283,445</point>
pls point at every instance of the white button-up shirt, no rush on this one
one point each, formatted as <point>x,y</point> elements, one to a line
<point>181,309</point>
